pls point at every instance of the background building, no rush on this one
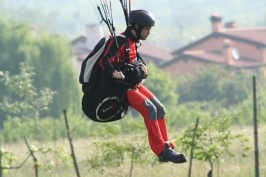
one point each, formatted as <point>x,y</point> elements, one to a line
<point>230,46</point>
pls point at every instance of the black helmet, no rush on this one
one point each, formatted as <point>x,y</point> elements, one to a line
<point>141,17</point>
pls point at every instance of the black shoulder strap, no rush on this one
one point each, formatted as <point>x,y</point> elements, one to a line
<point>139,58</point>
<point>127,50</point>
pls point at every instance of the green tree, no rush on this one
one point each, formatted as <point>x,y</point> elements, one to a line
<point>32,102</point>
<point>50,55</point>
<point>212,138</point>
<point>215,83</point>
<point>161,84</point>
<point>54,69</point>
<point>7,158</point>
<point>27,111</point>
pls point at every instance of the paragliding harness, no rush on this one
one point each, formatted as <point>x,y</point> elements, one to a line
<point>104,98</point>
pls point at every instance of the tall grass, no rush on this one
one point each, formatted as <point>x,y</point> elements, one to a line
<point>229,167</point>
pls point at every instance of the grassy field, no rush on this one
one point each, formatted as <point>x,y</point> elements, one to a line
<point>229,167</point>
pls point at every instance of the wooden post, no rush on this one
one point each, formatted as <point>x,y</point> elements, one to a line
<point>257,173</point>
<point>33,157</point>
<point>1,170</point>
<point>71,144</point>
<point>192,148</point>
<point>132,161</point>
<point>1,174</point>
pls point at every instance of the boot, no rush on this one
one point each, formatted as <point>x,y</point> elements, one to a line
<point>170,155</point>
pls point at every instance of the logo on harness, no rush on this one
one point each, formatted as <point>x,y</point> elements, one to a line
<point>110,107</point>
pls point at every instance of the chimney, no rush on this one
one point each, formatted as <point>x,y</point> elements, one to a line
<point>94,34</point>
<point>227,51</point>
<point>230,25</point>
<point>216,23</point>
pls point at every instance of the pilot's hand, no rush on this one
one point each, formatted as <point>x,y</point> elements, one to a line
<point>145,68</point>
<point>118,75</point>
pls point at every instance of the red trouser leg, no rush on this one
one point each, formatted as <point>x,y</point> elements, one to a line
<point>164,131</point>
<point>139,99</point>
<point>160,113</point>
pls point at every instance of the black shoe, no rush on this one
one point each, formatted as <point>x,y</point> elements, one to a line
<point>170,155</point>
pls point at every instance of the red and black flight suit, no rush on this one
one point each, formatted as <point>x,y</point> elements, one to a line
<point>140,98</point>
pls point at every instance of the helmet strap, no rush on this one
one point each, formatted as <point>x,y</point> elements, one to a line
<point>138,28</point>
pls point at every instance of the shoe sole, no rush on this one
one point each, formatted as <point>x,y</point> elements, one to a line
<point>182,159</point>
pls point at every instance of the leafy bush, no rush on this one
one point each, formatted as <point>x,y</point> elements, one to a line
<point>227,86</point>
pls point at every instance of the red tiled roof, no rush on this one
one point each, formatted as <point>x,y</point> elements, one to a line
<point>257,34</point>
<point>214,56</point>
